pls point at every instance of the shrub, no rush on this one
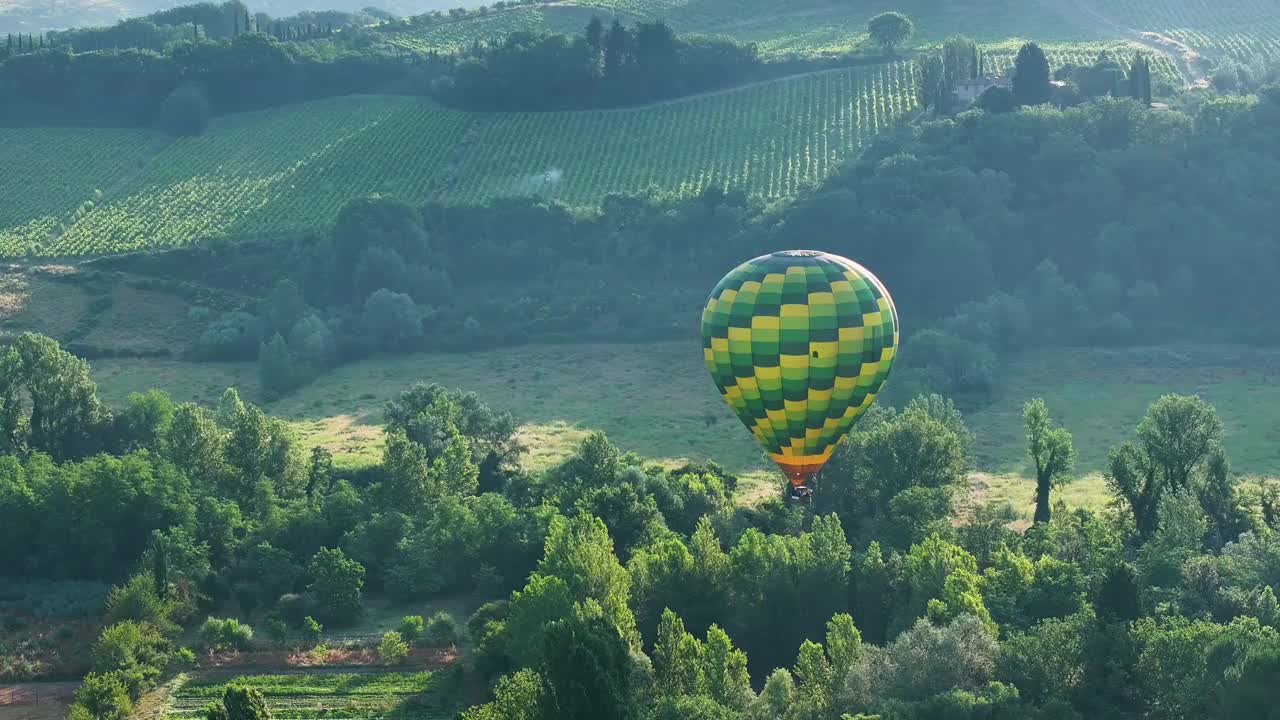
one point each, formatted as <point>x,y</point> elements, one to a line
<point>277,630</point>
<point>105,696</point>
<point>411,627</point>
<point>442,629</point>
<point>225,634</point>
<point>293,609</point>
<point>393,648</point>
<point>311,629</point>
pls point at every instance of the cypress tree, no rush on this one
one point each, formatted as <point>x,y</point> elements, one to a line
<point>977,62</point>
<point>236,28</point>
<point>1146,81</point>
<point>1031,76</point>
<point>160,567</point>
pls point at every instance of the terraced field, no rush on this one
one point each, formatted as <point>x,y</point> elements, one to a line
<point>318,694</point>
<point>290,169</point>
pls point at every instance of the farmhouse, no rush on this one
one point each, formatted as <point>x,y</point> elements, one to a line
<point>970,89</point>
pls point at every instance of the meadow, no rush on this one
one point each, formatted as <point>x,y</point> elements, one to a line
<point>657,400</point>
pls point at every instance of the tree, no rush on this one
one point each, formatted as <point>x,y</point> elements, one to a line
<point>580,552</point>
<point>185,111</point>
<point>517,696</point>
<point>392,319</point>
<point>1050,449</point>
<point>335,587</point>
<point>239,703</point>
<point>393,648</point>
<point>931,84</point>
<point>616,49</point>
<point>1031,76</point>
<point>677,666</point>
<point>595,34</point>
<point>319,471</point>
<point>60,413</point>
<point>104,696</point>
<point>586,671</point>
<point>160,564</point>
<point>890,29</point>
<point>1177,439</point>
<point>275,367</point>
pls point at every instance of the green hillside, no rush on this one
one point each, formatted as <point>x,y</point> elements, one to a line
<point>288,170</point>
<point>807,27</point>
<point>1238,29</point>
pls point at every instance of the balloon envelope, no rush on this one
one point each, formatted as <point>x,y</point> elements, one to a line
<point>799,342</point>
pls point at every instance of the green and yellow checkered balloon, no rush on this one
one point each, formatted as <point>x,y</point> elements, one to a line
<point>799,342</point>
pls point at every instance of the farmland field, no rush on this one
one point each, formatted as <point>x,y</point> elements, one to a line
<point>290,170</point>
<point>1238,29</point>
<point>809,27</point>
<point>338,695</point>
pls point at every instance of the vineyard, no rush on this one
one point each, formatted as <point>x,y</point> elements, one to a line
<point>806,27</point>
<point>1237,29</point>
<point>285,171</point>
<point>1163,71</point>
<point>50,173</point>
<point>339,696</point>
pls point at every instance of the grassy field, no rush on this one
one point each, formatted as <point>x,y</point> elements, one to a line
<point>337,695</point>
<point>291,169</point>
<point>657,400</point>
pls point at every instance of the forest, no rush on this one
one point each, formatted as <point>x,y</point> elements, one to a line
<point>1093,225</point>
<point>616,588</point>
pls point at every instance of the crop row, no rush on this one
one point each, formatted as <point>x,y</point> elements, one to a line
<point>1239,29</point>
<point>286,171</point>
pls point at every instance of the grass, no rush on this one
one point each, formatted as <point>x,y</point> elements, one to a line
<point>338,695</point>
<point>656,399</point>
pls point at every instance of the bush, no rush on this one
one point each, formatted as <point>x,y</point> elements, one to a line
<point>311,629</point>
<point>411,627</point>
<point>293,609</point>
<point>225,634</point>
<point>105,696</point>
<point>277,630</point>
<point>393,648</point>
<point>442,629</point>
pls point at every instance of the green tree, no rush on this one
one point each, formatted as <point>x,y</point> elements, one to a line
<point>724,669</point>
<point>393,648</point>
<point>586,671</point>
<point>276,372</point>
<point>677,659</point>
<point>335,587</point>
<point>517,696</point>
<point>579,551</point>
<point>244,703</point>
<point>105,696</point>
<point>1179,437</point>
<point>931,86</point>
<point>48,401</point>
<point>1050,449</point>
<point>890,29</point>
<point>1031,75</point>
<point>1249,689</point>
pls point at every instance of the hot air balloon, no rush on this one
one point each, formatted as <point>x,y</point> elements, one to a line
<point>799,342</point>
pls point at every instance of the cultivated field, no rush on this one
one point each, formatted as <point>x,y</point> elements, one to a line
<point>290,169</point>
<point>326,694</point>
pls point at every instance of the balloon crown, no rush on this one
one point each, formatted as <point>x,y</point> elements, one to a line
<point>800,253</point>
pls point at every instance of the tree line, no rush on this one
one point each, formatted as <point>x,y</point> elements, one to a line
<point>621,589</point>
<point>994,232</point>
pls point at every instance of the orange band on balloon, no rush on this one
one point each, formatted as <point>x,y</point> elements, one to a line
<point>799,468</point>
